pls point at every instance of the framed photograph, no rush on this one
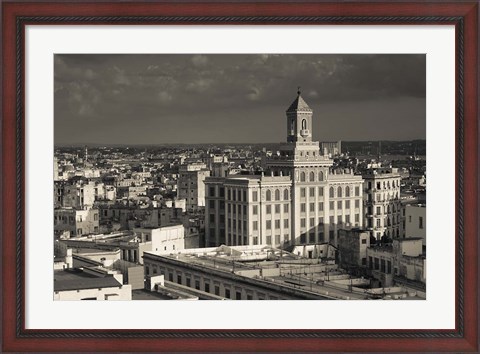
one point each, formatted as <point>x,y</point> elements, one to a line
<point>251,151</point>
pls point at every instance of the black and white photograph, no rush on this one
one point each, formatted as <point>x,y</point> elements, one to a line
<point>239,177</point>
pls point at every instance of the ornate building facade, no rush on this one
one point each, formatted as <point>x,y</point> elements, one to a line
<point>299,200</point>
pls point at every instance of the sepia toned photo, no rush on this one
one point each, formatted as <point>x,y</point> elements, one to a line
<point>239,177</point>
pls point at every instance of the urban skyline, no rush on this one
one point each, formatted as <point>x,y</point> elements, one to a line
<point>199,99</point>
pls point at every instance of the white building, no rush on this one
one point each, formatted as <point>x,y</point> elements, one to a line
<point>415,221</point>
<point>191,185</point>
<point>383,209</point>
<point>302,200</point>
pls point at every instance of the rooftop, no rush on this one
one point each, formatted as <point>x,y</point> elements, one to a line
<point>299,104</point>
<point>74,279</point>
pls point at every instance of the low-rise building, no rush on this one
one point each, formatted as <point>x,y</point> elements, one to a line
<point>82,284</point>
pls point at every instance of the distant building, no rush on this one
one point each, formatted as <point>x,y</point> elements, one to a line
<point>415,221</point>
<point>382,203</point>
<point>77,222</point>
<point>191,185</point>
<point>352,248</point>
<point>331,148</point>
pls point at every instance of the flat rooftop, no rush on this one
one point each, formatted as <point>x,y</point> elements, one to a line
<point>73,279</point>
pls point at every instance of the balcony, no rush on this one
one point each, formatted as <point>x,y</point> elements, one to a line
<point>304,132</point>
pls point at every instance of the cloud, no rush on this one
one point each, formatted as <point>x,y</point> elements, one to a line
<point>165,97</point>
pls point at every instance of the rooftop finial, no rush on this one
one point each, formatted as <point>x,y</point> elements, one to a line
<point>299,92</point>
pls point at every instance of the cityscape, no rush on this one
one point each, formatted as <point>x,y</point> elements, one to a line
<point>314,210</point>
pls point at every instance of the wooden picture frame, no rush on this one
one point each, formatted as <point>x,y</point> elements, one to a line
<point>17,14</point>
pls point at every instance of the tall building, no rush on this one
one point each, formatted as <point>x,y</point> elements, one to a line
<point>382,202</point>
<point>191,185</point>
<point>301,201</point>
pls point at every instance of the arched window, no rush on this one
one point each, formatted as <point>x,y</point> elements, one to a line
<point>304,124</point>
<point>320,176</point>
<point>331,192</point>
<point>285,194</point>
<point>339,192</point>
<point>277,194</point>
<point>312,177</point>
<point>269,195</point>
<point>347,191</point>
<point>302,177</point>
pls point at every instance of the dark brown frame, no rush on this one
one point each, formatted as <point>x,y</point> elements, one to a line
<point>17,14</point>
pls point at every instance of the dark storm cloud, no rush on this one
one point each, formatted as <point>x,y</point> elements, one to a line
<point>235,98</point>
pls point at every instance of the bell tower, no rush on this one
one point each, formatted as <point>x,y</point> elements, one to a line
<point>299,121</point>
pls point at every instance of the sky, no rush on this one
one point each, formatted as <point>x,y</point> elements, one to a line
<point>236,98</point>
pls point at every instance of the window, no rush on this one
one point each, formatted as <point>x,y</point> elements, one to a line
<point>312,207</point>
<point>347,191</point>
<point>207,287</point>
<point>188,282</point>
<point>285,208</point>
<point>302,192</point>
<point>269,209</point>
<point>303,222</point>
<point>320,176</point>
<point>357,191</point>
<point>277,239</point>
<point>364,241</point>
<point>277,194</point>
<point>269,195</point>
<point>197,284</point>
<point>339,219</point>
<point>277,208</point>
<point>420,222</point>
<point>244,196</point>
<point>285,223</point>
<point>312,192</point>
<point>347,219</point>
<point>347,204</point>
<point>255,210</point>
<point>332,206</point>
<point>212,191</point>
<point>357,203</point>
<point>222,192</point>
<point>357,217</point>
<point>212,218</point>
<point>378,210</point>
<point>255,226</point>
<point>303,238</point>
<point>312,221</point>
<point>311,239</point>
<point>339,204</point>
<point>379,185</point>
<point>378,222</point>
<point>269,224</point>
<point>302,177</point>
<point>409,218</point>
<point>95,217</point>
<point>339,192</point>
<point>312,177</point>
<point>238,295</point>
<point>285,194</point>
<point>179,279</point>
<point>277,224</point>
<point>255,196</point>
<point>302,207</point>
<point>320,191</point>
<point>320,206</point>
<point>269,240</point>
<point>331,193</point>
<point>217,290</point>
<point>227,293</point>
<point>332,219</point>
<point>211,204</point>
